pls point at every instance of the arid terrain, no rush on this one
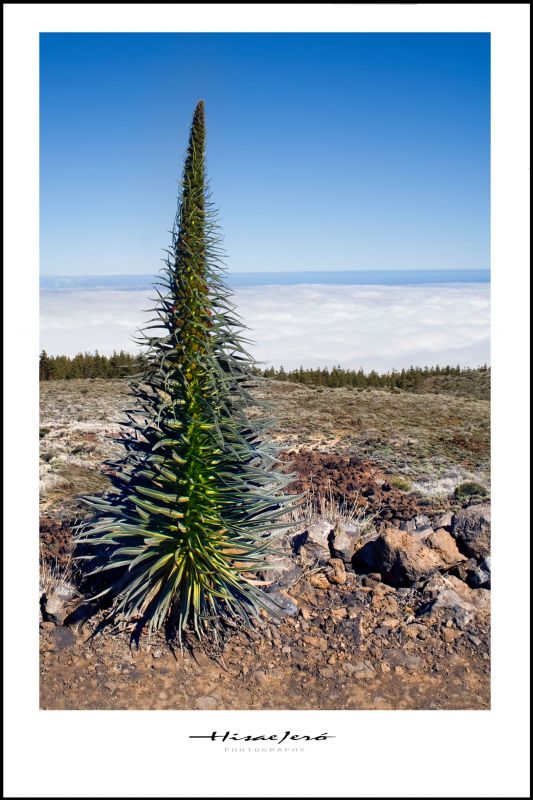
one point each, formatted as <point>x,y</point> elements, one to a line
<point>384,585</point>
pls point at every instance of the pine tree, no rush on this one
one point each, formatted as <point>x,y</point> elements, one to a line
<point>196,498</point>
<point>44,366</point>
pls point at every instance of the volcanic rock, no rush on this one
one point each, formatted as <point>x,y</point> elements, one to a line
<point>471,529</point>
<point>342,541</point>
<point>402,559</point>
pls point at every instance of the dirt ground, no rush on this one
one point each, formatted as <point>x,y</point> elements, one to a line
<point>347,640</point>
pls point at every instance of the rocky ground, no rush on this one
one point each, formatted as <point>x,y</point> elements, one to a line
<point>384,585</point>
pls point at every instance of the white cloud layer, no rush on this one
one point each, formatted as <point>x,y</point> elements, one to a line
<point>373,327</point>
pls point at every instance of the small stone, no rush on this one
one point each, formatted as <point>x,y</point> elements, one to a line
<point>479,578</point>
<point>157,654</point>
<point>305,613</point>
<point>413,662</point>
<point>338,575</point>
<point>450,634</point>
<point>384,667</point>
<point>284,573</point>
<point>354,629</point>
<point>363,669</point>
<point>332,659</point>
<point>55,603</point>
<point>339,613</point>
<point>325,672</point>
<point>283,604</point>
<point>61,638</point>
<point>206,703</point>
<point>319,581</point>
<point>390,605</point>
<point>413,630</point>
<point>162,695</point>
<point>315,641</point>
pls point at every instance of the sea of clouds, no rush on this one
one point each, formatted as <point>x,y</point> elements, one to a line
<point>373,327</point>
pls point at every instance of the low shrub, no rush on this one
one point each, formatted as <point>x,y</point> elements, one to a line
<point>470,489</point>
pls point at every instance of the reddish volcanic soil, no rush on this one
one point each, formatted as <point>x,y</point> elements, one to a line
<point>351,481</point>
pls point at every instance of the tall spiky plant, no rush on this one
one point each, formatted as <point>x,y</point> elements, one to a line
<point>196,497</point>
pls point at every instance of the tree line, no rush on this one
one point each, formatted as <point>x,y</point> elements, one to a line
<point>122,364</point>
<point>406,379</point>
<point>87,365</point>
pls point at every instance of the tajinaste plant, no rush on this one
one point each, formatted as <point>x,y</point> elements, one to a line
<point>197,496</point>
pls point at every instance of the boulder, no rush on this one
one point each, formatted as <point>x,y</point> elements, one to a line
<point>471,529</point>
<point>452,593</point>
<point>313,543</point>
<point>443,520</point>
<point>402,559</point>
<point>422,532</point>
<point>312,554</point>
<point>444,543</point>
<point>343,540</point>
<point>319,533</point>
<point>465,569</point>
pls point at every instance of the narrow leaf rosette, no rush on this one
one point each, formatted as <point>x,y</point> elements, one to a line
<point>197,499</point>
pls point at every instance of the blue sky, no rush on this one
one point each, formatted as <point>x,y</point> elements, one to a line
<point>325,151</point>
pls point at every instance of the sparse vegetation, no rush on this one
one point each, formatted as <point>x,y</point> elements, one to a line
<point>400,483</point>
<point>470,489</point>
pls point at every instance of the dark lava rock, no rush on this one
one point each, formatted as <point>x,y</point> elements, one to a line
<point>61,638</point>
<point>283,606</point>
<point>471,529</point>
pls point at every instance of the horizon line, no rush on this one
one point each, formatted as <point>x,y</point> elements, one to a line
<point>267,272</point>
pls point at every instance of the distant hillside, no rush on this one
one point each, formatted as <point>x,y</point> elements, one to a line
<point>468,384</point>
<point>419,380</point>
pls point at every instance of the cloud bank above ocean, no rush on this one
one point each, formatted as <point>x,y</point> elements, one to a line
<point>373,327</point>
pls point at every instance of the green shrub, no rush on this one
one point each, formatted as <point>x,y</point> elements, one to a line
<point>470,489</point>
<point>400,483</point>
